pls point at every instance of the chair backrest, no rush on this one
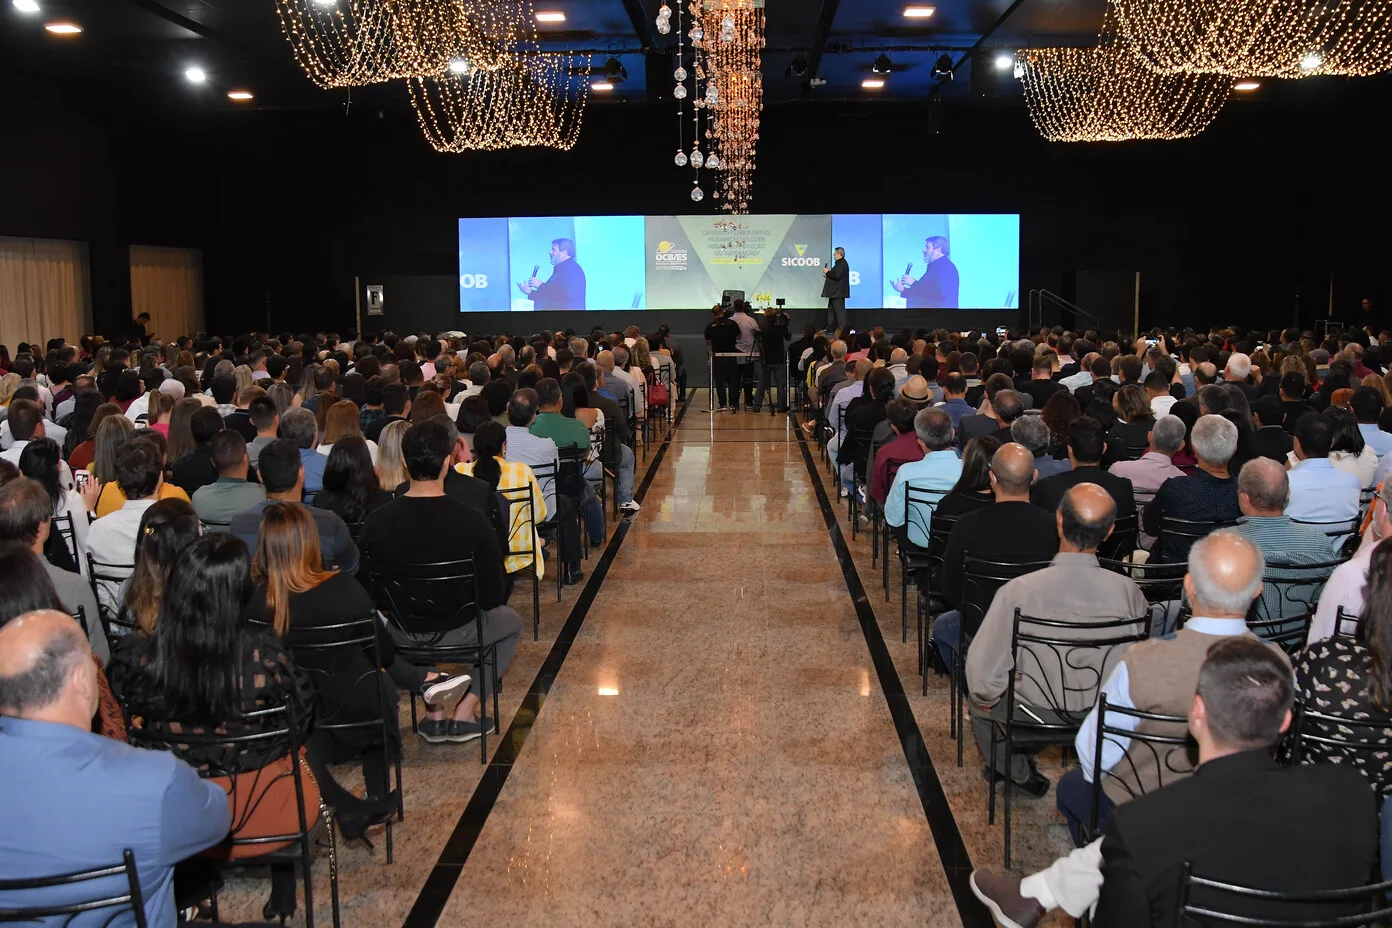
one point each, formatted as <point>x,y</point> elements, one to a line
<point>1270,908</point>
<point>107,581</point>
<point>1182,533</point>
<point>1060,665</point>
<point>1365,501</point>
<point>323,651</point>
<point>919,506</point>
<point>1345,624</point>
<point>1162,746</point>
<point>521,535</point>
<point>570,473</point>
<point>1162,584</point>
<point>129,897</point>
<point>1320,737</point>
<point>1122,541</point>
<point>1335,529</point>
<point>545,475</point>
<point>1288,589</point>
<point>424,600</point>
<point>981,579</point>
<point>63,525</point>
<point>212,526</point>
<point>1286,632</point>
<point>938,534</point>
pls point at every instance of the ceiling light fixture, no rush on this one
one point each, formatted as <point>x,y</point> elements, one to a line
<point>1246,86</point>
<point>943,67</point>
<point>1004,62</point>
<point>550,16</point>
<point>1312,61</point>
<point>614,71</point>
<point>601,86</point>
<point>459,66</point>
<point>919,11</point>
<point>196,74</point>
<point>872,83</point>
<point>882,65</point>
<point>63,28</point>
<point>241,96</point>
<point>27,6</point>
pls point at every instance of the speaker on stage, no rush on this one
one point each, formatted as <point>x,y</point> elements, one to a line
<point>727,299</point>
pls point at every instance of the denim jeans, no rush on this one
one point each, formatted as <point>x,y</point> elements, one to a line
<point>623,488</point>
<point>947,633</point>
<point>593,514</point>
<point>1074,798</point>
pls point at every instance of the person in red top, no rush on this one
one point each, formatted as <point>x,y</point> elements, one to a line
<point>902,449</point>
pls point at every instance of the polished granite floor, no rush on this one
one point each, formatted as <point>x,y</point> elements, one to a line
<point>721,727</point>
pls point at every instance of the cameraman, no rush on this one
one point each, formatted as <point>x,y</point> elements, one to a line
<point>774,332</point>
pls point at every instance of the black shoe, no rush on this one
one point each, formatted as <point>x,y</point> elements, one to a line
<point>353,825</point>
<point>464,732</point>
<point>573,575</point>
<point>1037,785</point>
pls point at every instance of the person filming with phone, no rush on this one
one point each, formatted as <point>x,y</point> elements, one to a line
<point>836,288</point>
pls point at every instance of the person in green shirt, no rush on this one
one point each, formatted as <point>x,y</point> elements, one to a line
<point>567,432</point>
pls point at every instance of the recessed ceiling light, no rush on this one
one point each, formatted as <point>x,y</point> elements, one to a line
<point>1004,62</point>
<point>1245,86</point>
<point>550,16</point>
<point>27,6</point>
<point>196,74</point>
<point>1311,61</point>
<point>63,28</point>
<point>241,96</point>
<point>324,2</point>
<point>459,66</point>
<point>919,11</point>
<point>872,83</point>
<point>601,85</point>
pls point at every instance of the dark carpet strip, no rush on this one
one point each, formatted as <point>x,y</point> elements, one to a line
<point>956,862</point>
<point>434,895</point>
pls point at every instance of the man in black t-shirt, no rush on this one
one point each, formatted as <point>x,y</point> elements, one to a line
<point>774,332</point>
<point>392,537</point>
<point>721,336</point>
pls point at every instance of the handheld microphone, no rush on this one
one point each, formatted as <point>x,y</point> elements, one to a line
<point>537,267</point>
<point>908,267</point>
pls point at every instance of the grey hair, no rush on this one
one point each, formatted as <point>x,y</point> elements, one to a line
<point>579,347</point>
<point>1208,592</point>
<point>299,427</point>
<point>1265,483</point>
<point>1167,435</point>
<point>1215,439</point>
<point>933,427</point>
<point>838,349</point>
<point>620,355</point>
<point>1031,432</point>
<point>1240,365</point>
<point>41,684</point>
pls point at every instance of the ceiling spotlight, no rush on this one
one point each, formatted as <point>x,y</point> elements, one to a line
<point>63,28</point>
<point>550,16</point>
<point>943,67</point>
<point>603,86</point>
<point>27,6</point>
<point>614,71</point>
<point>196,74</point>
<point>325,3</point>
<point>872,83</point>
<point>459,66</point>
<point>241,96</point>
<point>1246,86</point>
<point>1311,61</point>
<point>1004,61</point>
<point>919,11</point>
<point>882,65</point>
<point>799,66</point>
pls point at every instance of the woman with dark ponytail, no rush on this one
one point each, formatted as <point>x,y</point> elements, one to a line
<point>490,466</point>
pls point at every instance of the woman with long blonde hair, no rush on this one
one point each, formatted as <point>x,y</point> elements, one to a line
<point>342,421</point>
<point>391,464</point>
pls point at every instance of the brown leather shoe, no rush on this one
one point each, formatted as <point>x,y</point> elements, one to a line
<point>1000,892</point>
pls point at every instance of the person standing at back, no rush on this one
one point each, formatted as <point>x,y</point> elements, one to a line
<point>836,288</point>
<point>722,335</point>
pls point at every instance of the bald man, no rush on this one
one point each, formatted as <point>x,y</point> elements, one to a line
<point>72,800</point>
<point>1160,676</point>
<point>1073,588</point>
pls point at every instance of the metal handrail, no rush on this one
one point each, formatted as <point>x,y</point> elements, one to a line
<point>1036,308</point>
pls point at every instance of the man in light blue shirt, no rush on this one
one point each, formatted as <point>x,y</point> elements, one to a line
<point>299,427</point>
<point>1320,492</point>
<point>1367,407</point>
<point>956,405</point>
<point>936,474</point>
<point>72,800</point>
<point>533,450</point>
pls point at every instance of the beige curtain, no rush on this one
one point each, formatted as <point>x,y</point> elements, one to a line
<point>45,291</point>
<point>167,283</point>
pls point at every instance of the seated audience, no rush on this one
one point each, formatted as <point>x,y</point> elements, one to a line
<point>67,546</point>
<point>936,473</point>
<point>196,469</point>
<point>1208,496</point>
<point>1263,491</point>
<point>1133,425</point>
<point>1368,408</point>
<point>1320,492</point>
<point>231,493</point>
<point>1041,386</point>
<point>1271,439</point>
<point>350,483</point>
<point>973,489</point>
<point>74,800</point>
<point>1149,472</point>
<point>1085,444</point>
<point>989,419</point>
<point>139,472</point>
<point>343,423</point>
<point>266,420</point>
<point>282,476</point>
<point>564,431</point>
<point>391,537</point>
<point>1033,433</point>
<point>111,498</point>
<point>862,415</point>
<point>167,528</point>
<point>541,455</point>
<point>298,427</point>
<point>1345,589</point>
<point>27,424</point>
<point>899,449</point>
<point>956,405</point>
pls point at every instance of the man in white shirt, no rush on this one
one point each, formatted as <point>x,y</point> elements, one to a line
<point>1158,389</point>
<point>1346,585</point>
<point>1084,376</point>
<point>1367,407</point>
<point>51,430</point>
<point>112,538</point>
<point>1319,492</point>
<point>66,407</point>
<point>26,423</point>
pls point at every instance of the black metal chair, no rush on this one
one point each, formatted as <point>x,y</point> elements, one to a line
<point>1172,752</point>
<point>130,897</point>
<point>63,525</point>
<point>1365,501</point>
<point>106,580</point>
<point>570,483</point>
<point>1184,532</point>
<point>980,581</point>
<point>893,468</point>
<point>443,596</point>
<point>1291,588</point>
<point>1324,738</point>
<point>1162,585</point>
<point>1338,908</point>
<point>546,477</point>
<point>273,727</point>
<point>319,651</point>
<point>1345,529</point>
<point>1346,625</point>
<point>1286,632</point>
<point>599,440</point>
<point>920,506</point>
<point>1065,664</point>
<point>212,526</point>
<point>930,597</point>
<point>520,522</point>
<point>861,440</point>
<point>1122,541</point>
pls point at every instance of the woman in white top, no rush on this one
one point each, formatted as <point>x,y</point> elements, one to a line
<point>1348,451</point>
<point>40,460</point>
<point>342,419</point>
<point>576,405</point>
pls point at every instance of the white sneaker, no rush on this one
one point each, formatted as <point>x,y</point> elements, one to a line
<point>630,506</point>
<point>841,493</point>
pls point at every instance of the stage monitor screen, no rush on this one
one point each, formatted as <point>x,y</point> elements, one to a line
<point>923,261</point>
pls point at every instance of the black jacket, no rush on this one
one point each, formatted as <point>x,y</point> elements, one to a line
<point>1048,493</point>
<point>936,289</point>
<point>838,280</point>
<point>1273,442</point>
<point>564,290</point>
<point>1239,819</point>
<point>1011,531</point>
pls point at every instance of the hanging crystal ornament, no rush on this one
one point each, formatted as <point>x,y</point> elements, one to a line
<point>712,95</point>
<point>680,159</point>
<point>697,33</point>
<point>712,161</point>
<point>697,159</point>
<point>679,74</point>
<point>679,91</point>
<point>663,26</point>
<point>697,195</point>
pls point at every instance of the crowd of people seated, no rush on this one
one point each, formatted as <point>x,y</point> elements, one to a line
<point>1164,554</point>
<point>187,528</point>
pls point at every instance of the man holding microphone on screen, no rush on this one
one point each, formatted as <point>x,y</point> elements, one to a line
<point>836,288</point>
<point>566,288</point>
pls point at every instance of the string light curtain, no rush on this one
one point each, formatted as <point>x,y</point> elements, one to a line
<point>349,43</point>
<point>727,37</point>
<point>538,100</point>
<point>1258,38</point>
<point>1106,94</point>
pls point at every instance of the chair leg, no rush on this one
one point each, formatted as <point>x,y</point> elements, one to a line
<point>961,672</point>
<point>414,723</point>
<point>1009,784</point>
<point>951,701</point>
<point>990,776</point>
<point>536,601</point>
<point>874,542</point>
<point>333,878</point>
<point>884,560</point>
<point>904,617</point>
<point>307,871</point>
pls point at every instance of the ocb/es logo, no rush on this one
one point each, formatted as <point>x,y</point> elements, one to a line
<point>473,281</point>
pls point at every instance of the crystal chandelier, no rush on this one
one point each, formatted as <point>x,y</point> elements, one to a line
<point>1105,94</point>
<point>537,100</point>
<point>1258,38</point>
<point>727,37</point>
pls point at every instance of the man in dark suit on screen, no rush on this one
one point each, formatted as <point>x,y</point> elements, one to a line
<point>836,289</point>
<point>938,287</point>
<point>566,288</point>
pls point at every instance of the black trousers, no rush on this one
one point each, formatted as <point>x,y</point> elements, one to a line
<point>836,312</point>
<point>725,373</point>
